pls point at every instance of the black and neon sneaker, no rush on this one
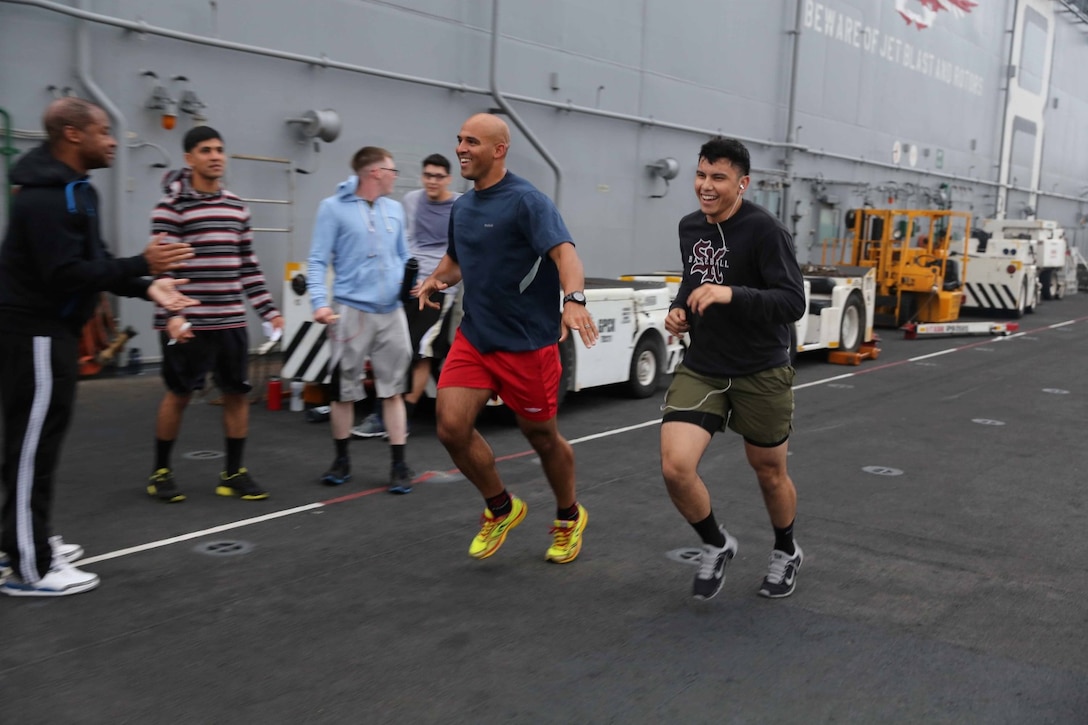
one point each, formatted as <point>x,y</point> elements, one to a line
<point>161,485</point>
<point>240,485</point>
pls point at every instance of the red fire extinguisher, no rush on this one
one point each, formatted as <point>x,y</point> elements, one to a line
<point>275,394</point>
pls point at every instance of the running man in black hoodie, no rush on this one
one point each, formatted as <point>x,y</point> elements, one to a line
<point>53,266</point>
<point>742,289</point>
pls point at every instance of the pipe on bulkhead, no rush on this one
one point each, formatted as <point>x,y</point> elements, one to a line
<point>791,117</point>
<point>1001,197</point>
<point>509,110</point>
<point>7,151</point>
<point>120,126</point>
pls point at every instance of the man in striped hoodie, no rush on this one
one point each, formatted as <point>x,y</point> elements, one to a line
<point>199,211</point>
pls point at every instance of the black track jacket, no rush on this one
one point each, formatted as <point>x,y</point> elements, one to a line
<point>53,263</point>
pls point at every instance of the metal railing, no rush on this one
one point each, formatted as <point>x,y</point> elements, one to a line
<point>1078,9</point>
<point>289,202</point>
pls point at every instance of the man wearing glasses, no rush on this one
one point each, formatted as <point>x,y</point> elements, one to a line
<point>427,215</point>
<point>360,232</point>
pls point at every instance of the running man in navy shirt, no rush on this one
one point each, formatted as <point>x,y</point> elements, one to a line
<point>511,249</point>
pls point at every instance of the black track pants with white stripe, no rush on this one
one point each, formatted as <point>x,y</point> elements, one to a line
<point>38,378</point>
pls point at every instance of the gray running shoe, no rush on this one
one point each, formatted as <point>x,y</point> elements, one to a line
<point>711,574</point>
<point>782,575</point>
<point>372,427</point>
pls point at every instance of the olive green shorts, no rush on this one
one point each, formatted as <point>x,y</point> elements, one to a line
<point>759,406</point>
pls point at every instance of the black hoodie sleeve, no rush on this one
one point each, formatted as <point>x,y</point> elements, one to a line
<point>686,286</point>
<point>129,286</point>
<point>781,299</point>
<point>68,253</point>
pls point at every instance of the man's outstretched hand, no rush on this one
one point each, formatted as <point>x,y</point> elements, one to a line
<point>165,292</point>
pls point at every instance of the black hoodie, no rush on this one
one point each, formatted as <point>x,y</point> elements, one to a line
<point>751,252</point>
<point>53,264</point>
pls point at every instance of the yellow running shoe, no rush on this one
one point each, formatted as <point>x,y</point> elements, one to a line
<point>494,531</point>
<point>567,538</point>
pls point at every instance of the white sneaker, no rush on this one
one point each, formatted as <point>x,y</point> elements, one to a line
<point>68,552</point>
<point>61,580</point>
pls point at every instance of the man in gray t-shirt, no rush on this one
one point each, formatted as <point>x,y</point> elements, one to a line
<point>428,225</point>
<point>427,220</point>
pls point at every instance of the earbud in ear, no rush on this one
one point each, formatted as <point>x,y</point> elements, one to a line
<point>742,188</point>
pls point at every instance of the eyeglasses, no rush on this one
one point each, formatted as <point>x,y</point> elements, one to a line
<point>434,177</point>
<point>394,170</point>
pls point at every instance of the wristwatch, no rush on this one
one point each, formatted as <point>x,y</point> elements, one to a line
<point>578,297</point>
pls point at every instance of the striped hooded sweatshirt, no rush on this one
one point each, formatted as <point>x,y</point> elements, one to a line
<point>224,266</point>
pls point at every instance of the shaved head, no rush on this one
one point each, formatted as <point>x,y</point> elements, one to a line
<point>69,111</point>
<point>481,149</point>
<point>490,127</point>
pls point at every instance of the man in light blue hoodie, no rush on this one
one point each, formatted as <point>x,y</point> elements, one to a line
<point>360,233</point>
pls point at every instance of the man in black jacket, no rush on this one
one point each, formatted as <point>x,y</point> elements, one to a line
<point>53,266</point>
<point>741,290</point>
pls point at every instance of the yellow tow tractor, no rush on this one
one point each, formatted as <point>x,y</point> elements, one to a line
<point>920,260</point>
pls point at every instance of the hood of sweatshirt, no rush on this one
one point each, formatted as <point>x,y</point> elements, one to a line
<point>346,189</point>
<point>178,184</point>
<point>39,168</point>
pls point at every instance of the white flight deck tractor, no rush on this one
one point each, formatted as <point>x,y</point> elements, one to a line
<point>839,307</point>
<point>1016,263</point>
<point>1056,265</point>
<point>634,348</point>
<point>1001,275</point>
<point>840,301</point>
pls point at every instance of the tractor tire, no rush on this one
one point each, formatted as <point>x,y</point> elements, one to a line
<point>647,362</point>
<point>852,325</point>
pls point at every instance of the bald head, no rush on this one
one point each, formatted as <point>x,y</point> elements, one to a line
<point>79,133</point>
<point>481,149</point>
<point>491,127</point>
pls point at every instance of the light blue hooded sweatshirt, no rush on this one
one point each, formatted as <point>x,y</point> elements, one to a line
<point>365,246</point>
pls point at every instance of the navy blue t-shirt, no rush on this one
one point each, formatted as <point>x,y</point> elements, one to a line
<point>500,237</point>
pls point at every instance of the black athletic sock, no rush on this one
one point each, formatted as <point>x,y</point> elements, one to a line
<point>500,505</point>
<point>570,514</point>
<point>783,539</point>
<point>162,453</point>
<point>235,447</point>
<point>708,531</point>
<point>398,454</point>
<point>341,446</point>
